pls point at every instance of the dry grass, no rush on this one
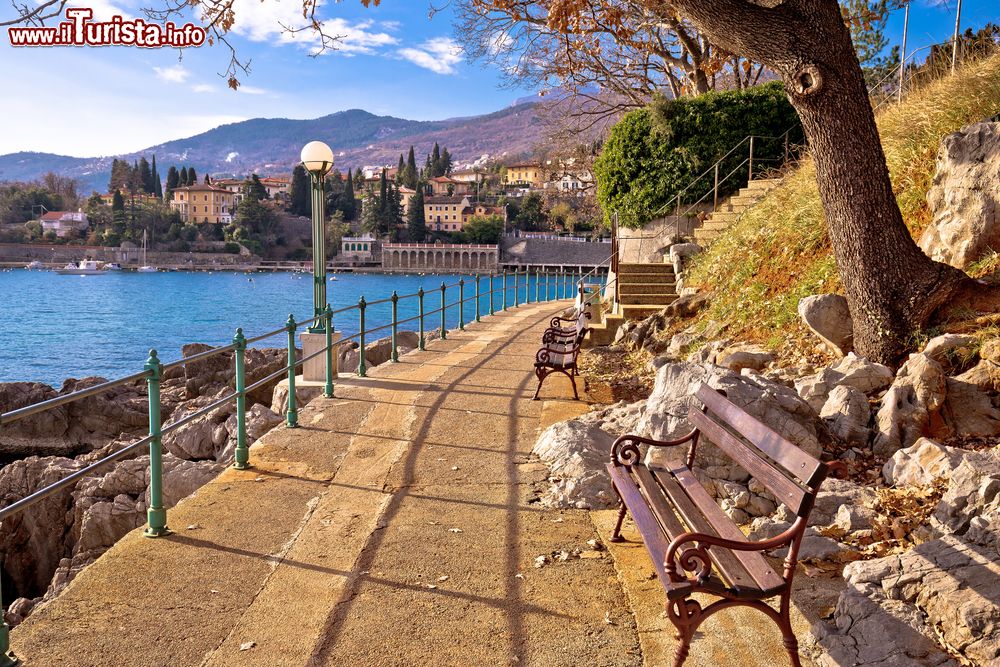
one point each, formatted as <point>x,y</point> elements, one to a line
<point>778,252</point>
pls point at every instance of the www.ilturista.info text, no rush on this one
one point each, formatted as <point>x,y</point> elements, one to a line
<point>79,30</point>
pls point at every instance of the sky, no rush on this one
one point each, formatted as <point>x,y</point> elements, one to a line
<point>394,59</point>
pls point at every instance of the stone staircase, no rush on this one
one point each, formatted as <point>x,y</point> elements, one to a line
<point>730,211</point>
<point>643,289</point>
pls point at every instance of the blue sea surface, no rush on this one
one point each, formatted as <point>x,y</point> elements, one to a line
<point>53,327</point>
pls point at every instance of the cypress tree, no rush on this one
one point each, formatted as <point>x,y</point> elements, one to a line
<point>157,183</point>
<point>347,202</point>
<point>436,162</point>
<point>183,178</point>
<point>192,177</point>
<point>370,212</point>
<point>399,169</point>
<point>445,162</point>
<point>416,224</point>
<point>299,203</point>
<point>173,182</point>
<point>145,176</point>
<point>383,202</point>
<point>208,180</point>
<point>410,180</point>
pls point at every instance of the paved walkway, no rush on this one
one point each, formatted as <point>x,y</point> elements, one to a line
<point>397,526</point>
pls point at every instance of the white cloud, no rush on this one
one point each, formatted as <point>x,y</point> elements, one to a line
<point>203,88</point>
<point>440,55</point>
<point>172,74</point>
<point>272,20</point>
<point>252,90</point>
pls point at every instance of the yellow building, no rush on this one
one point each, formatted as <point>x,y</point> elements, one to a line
<point>525,174</point>
<point>204,204</point>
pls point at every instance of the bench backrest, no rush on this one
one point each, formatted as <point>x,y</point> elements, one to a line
<point>792,475</point>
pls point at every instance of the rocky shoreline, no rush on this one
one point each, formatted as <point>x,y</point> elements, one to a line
<point>47,545</point>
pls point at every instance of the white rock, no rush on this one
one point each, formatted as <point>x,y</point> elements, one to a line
<point>921,463</point>
<point>828,316</point>
<point>846,412</point>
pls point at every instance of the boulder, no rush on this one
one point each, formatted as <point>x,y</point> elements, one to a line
<point>921,463</point>
<point>261,363</point>
<point>120,410</point>
<point>985,375</point>
<point>688,305</point>
<point>681,254</point>
<point>964,197</point>
<point>665,414</point>
<point>846,413</point>
<point>971,505</point>
<point>834,494</point>
<point>828,316</point>
<point>205,376</point>
<point>865,376</point>
<point>950,349</point>
<point>260,420</point>
<point>679,342</point>
<point>576,453</point>
<point>49,424</point>
<point>969,410</point>
<point>279,400</point>
<point>32,540</point>
<point>738,357</point>
<point>908,407</point>
<point>203,438</point>
<point>377,352</point>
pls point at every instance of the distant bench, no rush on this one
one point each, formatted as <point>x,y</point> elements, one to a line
<point>560,349</point>
<point>694,546</point>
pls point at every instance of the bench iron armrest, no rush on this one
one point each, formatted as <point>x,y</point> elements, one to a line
<point>556,335</point>
<point>554,322</point>
<point>697,557</point>
<point>625,450</point>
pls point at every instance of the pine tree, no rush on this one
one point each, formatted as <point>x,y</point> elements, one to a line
<point>359,180</point>
<point>184,181</point>
<point>192,177</point>
<point>208,179</point>
<point>383,203</point>
<point>256,189</point>
<point>173,182</point>
<point>416,224</point>
<point>299,203</point>
<point>118,202</point>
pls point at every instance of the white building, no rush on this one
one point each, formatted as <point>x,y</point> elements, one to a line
<point>65,222</point>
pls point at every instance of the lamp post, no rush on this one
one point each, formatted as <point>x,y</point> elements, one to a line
<point>317,158</point>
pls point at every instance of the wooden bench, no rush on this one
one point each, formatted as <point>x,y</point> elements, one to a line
<point>560,350</point>
<point>694,546</point>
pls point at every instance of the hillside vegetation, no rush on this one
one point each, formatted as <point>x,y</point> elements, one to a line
<point>778,251</point>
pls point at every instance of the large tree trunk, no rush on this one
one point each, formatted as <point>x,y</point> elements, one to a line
<point>891,286</point>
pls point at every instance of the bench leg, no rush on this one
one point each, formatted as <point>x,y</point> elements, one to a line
<point>616,536</point>
<point>576,396</point>
<point>686,616</point>
<point>788,636</point>
<point>541,374</point>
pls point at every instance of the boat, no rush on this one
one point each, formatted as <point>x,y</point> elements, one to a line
<point>85,267</point>
<point>145,268</point>
<point>113,266</point>
<point>35,265</point>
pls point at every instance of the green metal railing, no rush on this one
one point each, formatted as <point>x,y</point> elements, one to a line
<point>153,374</point>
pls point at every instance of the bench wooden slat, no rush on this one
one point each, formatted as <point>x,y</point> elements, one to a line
<point>652,535</point>
<point>728,565</point>
<point>753,561</point>
<point>797,462</point>
<point>784,489</point>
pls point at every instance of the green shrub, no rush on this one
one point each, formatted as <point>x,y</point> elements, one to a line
<point>232,248</point>
<point>652,154</point>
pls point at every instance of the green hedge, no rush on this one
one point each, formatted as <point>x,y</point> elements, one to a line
<point>655,152</point>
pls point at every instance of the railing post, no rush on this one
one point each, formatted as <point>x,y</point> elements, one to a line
<point>504,290</point>
<point>561,285</point>
<point>477,299</point>
<point>328,317</point>
<point>461,304</point>
<point>444,325</point>
<point>7,657</point>
<point>242,454</point>
<point>715,203</point>
<point>362,362</point>
<point>492,277</point>
<point>420,317</point>
<point>155,515</point>
<point>517,295</point>
<point>538,285</point>
<point>750,170</point>
<point>292,416</point>
<point>395,320</point>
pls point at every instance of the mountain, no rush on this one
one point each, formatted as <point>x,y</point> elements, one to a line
<point>272,145</point>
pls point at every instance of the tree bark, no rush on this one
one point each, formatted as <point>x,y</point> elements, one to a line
<point>892,288</point>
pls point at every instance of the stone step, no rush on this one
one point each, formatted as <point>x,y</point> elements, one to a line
<point>646,299</point>
<point>639,312</point>
<point>647,288</point>
<point>716,226</point>
<point>645,269</point>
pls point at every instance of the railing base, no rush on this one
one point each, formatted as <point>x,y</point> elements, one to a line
<point>8,659</point>
<point>156,532</point>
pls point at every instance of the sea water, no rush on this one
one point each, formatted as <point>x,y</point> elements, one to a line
<point>53,327</point>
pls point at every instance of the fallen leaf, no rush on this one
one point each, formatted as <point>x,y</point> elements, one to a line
<point>246,646</point>
<point>443,578</point>
<point>454,530</point>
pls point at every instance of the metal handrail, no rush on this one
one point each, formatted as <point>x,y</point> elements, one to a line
<point>153,374</point>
